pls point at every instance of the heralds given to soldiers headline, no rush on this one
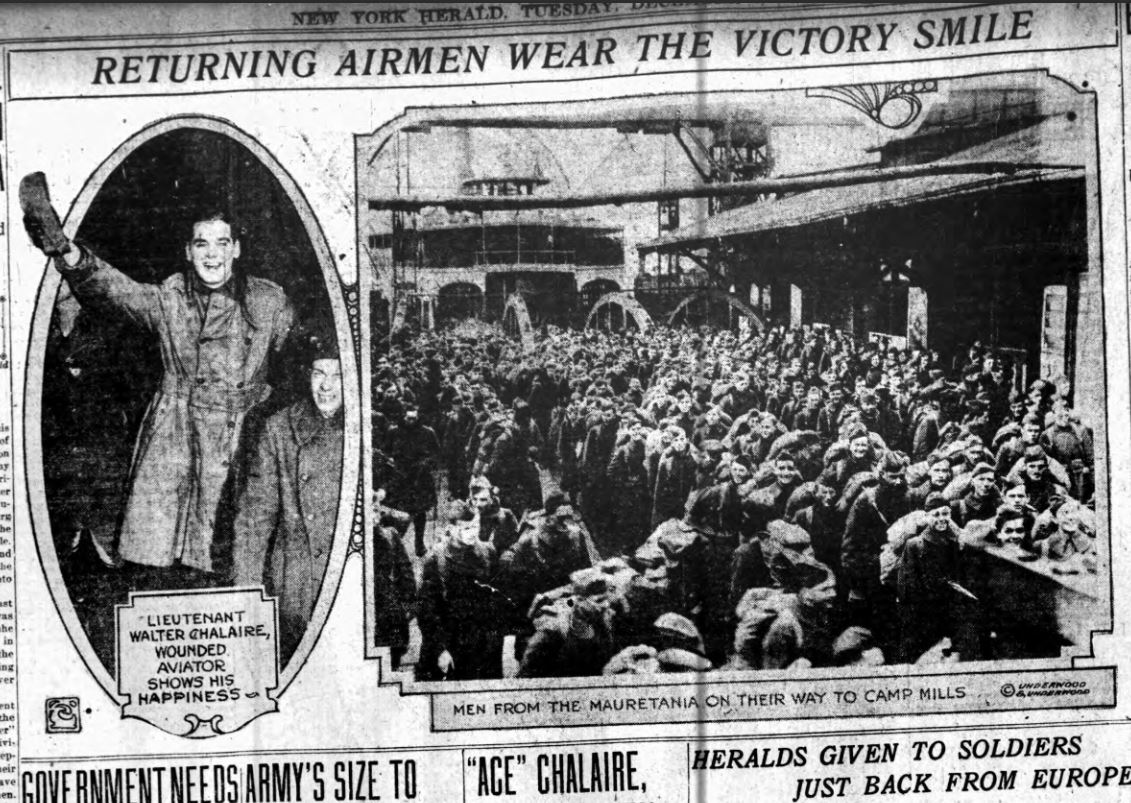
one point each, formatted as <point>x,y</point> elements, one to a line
<point>216,328</point>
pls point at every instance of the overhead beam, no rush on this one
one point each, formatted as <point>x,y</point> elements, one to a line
<point>842,178</point>
<point>627,123</point>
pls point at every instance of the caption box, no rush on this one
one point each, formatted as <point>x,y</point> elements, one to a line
<point>694,698</point>
<point>197,663</point>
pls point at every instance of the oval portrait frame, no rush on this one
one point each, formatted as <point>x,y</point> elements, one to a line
<point>33,388</point>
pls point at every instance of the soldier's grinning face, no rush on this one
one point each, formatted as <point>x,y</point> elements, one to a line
<point>326,386</point>
<point>212,251</point>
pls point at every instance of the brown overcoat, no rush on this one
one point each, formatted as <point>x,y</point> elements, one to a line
<point>215,356</point>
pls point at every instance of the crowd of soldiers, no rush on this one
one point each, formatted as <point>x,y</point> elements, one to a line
<point>682,500</point>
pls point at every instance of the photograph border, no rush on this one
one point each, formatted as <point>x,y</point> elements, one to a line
<point>364,152</point>
<point>33,387</point>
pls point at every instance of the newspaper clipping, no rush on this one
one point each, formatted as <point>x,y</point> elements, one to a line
<point>564,401</point>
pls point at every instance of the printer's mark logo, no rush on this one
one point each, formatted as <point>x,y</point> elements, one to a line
<point>63,715</point>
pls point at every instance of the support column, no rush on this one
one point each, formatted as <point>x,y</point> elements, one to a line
<point>794,306</point>
<point>916,317</point>
<point>1087,371</point>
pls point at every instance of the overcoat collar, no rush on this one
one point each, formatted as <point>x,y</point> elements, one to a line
<point>307,422</point>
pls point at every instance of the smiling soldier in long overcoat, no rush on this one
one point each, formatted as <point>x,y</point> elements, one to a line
<point>216,329</point>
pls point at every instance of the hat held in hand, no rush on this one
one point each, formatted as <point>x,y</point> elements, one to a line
<point>40,219</point>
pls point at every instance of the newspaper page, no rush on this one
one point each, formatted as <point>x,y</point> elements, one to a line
<point>564,401</point>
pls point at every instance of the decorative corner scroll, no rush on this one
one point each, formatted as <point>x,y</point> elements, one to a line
<point>892,105</point>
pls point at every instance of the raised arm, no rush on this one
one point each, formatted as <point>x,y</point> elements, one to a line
<point>99,285</point>
<point>94,282</point>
